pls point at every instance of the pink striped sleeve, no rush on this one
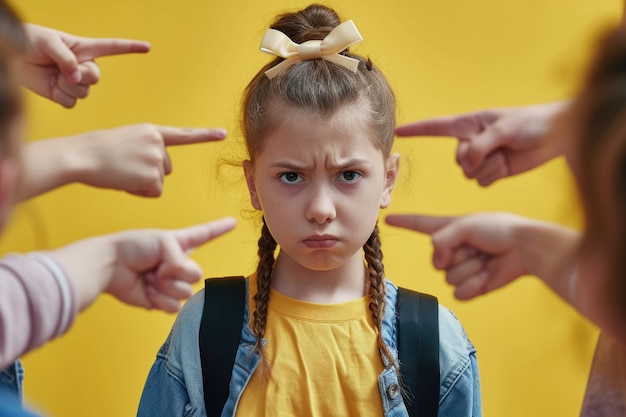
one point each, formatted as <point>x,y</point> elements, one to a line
<point>37,304</point>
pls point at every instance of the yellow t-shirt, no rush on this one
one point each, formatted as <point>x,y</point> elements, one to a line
<point>324,360</point>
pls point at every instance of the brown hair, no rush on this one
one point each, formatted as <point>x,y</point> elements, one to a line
<point>12,28</point>
<point>12,45</point>
<point>319,87</point>
<point>598,119</point>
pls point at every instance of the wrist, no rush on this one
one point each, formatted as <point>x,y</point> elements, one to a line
<point>77,164</point>
<point>48,164</point>
<point>548,252</point>
<point>31,30</point>
<point>553,112</point>
<point>90,266</point>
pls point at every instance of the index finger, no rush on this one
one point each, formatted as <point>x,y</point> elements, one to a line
<point>92,48</point>
<point>194,236</point>
<point>419,222</point>
<point>441,126</point>
<point>173,136</point>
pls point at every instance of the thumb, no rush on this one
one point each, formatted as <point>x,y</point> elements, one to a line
<point>63,57</point>
<point>450,237</point>
<point>472,154</point>
<point>419,222</point>
<point>194,236</point>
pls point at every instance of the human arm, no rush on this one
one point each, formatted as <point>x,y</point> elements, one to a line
<point>10,409</point>
<point>465,398</point>
<point>61,66</point>
<point>130,158</point>
<point>497,143</point>
<point>146,268</point>
<point>485,251</point>
<point>460,393</point>
<point>164,393</point>
<point>34,306</point>
<point>606,387</point>
<point>41,293</point>
<point>174,384</point>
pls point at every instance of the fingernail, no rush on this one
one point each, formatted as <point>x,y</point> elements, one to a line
<point>221,133</point>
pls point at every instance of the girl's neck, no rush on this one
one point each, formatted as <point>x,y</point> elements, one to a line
<point>342,284</point>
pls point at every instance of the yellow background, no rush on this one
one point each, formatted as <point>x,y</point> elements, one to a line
<point>442,57</point>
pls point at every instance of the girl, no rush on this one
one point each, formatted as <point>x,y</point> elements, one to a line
<point>319,332</point>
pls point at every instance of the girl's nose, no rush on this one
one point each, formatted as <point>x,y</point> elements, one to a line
<point>321,206</point>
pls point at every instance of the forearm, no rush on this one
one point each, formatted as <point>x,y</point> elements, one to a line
<point>577,274</point>
<point>49,164</point>
<point>90,266</point>
<point>549,252</point>
<point>557,142</point>
<point>37,304</point>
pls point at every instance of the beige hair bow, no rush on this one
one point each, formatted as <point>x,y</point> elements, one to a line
<point>339,39</point>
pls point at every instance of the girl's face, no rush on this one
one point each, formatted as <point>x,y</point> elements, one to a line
<point>320,184</point>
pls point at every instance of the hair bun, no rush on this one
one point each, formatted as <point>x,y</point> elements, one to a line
<point>312,23</point>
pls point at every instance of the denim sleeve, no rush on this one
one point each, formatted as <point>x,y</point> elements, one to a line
<point>464,399</point>
<point>460,381</point>
<point>13,410</point>
<point>12,383</point>
<point>164,394</point>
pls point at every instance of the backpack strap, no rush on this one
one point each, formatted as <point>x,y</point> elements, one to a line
<point>418,351</point>
<point>220,333</point>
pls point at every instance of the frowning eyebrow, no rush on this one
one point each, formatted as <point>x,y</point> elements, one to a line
<point>293,166</point>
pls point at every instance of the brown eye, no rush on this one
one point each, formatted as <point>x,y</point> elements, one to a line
<point>349,176</point>
<point>291,178</point>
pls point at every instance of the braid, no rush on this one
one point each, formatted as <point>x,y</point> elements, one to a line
<point>267,245</point>
<point>377,290</point>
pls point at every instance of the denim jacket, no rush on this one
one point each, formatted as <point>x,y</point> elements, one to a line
<point>174,385</point>
<point>11,383</point>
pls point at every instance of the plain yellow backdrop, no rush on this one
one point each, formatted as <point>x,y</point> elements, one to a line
<point>442,57</point>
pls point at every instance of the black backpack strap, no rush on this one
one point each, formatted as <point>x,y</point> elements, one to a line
<point>418,351</point>
<point>220,333</point>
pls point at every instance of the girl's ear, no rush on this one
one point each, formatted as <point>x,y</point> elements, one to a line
<point>392,166</point>
<point>248,170</point>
